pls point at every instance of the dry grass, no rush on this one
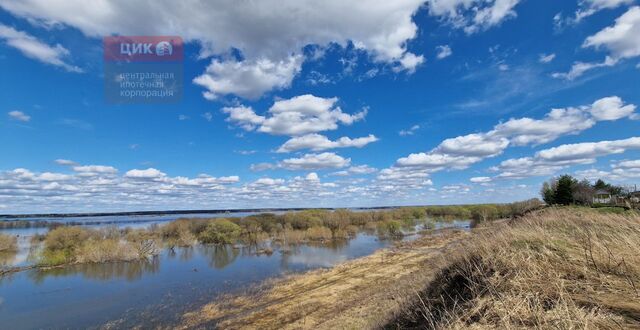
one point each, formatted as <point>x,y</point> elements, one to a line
<point>8,243</point>
<point>558,268</point>
<point>362,293</point>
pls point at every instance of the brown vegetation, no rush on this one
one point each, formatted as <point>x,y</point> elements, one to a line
<point>8,243</point>
<point>555,268</point>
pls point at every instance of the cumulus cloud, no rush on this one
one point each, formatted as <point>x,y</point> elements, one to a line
<point>243,116</point>
<point>35,49</point>
<point>462,151</point>
<point>19,116</point>
<point>248,79</point>
<point>99,187</point>
<point>271,47</point>
<point>549,161</point>
<point>317,142</point>
<point>611,108</point>
<point>480,179</point>
<point>150,173</point>
<point>356,170</point>
<point>296,116</point>
<point>622,39</point>
<point>325,160</point>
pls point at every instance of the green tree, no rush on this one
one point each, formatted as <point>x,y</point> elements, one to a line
<point>548,192</point>
<point>564,190</point>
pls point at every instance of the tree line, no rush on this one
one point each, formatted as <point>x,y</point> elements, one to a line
<point>567,190</point>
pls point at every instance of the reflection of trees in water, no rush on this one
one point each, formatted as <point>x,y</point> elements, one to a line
<point>220,256</point>
<point>182,253</point>
<point>130,270</point>
<point>296,252</point>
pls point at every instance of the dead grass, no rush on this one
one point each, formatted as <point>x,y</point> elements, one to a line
<point>357,294</point>
<point>557,268</point>
<point>8,243</point>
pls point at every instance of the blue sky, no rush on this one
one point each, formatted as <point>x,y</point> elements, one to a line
<point>296,104</point>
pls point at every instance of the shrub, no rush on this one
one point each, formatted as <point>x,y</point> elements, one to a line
<point>220,232</point>
<point>176,233</point>
<point>66,239</point>
<point>104,250</point>
<point>318,233</point>
<point>8,243</point>
<point>391,228</point>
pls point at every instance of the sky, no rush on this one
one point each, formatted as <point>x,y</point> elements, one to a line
<point>304,104</point>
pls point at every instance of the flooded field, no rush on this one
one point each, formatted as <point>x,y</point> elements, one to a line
<point>161,289</point>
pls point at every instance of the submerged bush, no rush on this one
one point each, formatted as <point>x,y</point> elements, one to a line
<point>318,234</point>
<point>61,244</point>
<point>390,228</point>
<point>8,243</point>
<point>220,232</point>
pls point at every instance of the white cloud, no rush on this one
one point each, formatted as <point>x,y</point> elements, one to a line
<point>443,51</point>
<point>611,108</point>
<point>243,116</point>
<point>208,116</point>
<point>317,142</point>
<point>556,123</point>
<point>410,62</point>
<point>271,46</point>
<point>473,15</point>
<point>95,169</point>
<point>476,145</point>
<point>622,39</point>
<point>409,131</point>
<point>150,173</point>
<point>248,79</point>
<point>19,115</point>
<point>268,182</point>
<point>579,68</point>
<point>480,179</point>
<point>544,58</point>
<point>65,162</point>
<point>183,117</point>
<point>355,170</point>
<point>462,151</point>
<point>296,116</point>
<point>33,48</point>
<point>590,7</point>
<point>315,162</point>
<point>549,161</point>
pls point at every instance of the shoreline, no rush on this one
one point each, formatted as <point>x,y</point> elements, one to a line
<point>350,289</point>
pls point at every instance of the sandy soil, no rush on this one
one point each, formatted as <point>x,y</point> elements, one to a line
<point>358,294</point>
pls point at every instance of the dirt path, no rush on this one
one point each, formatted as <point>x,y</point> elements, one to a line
<point>361,293</point>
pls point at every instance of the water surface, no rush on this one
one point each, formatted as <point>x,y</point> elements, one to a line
<point>160,290</point>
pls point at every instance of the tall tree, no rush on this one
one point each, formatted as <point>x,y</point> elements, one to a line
<point>564,191</point>
<point>548,192</point>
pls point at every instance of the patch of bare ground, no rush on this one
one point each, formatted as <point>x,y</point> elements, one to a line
<point>362,293</point>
